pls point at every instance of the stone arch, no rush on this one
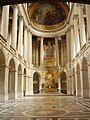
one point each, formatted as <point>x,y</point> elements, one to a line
<point>2,75</point>
<point>19,82</point>
<point>11,80</point>
<point>63,82</point>
<point>24,81</point>
<point>78,81</point>
<point>73,82</point>
<point>85,82</point>
<point>36,82</point>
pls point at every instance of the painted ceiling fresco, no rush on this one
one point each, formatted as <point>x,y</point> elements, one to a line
<point>48,14</point>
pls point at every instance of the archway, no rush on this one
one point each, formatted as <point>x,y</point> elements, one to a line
<point>24,83</point>
<point>11,80</point>
<point>36,78</point>
<point>78,81</point>
<point>73,83</point>
<point>85,83</point>
<point>63,83</point>
<point>2,75</point>
<point>19,83</point>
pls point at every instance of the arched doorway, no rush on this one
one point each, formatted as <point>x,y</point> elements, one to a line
<point>63,83</point>
<point>11,80</point>
<point>73,83</point>
<point>2,75</point>
<point>19,83</point>
<point>85,83</point>
<point>78,81</point>
<point>36,79</point>
<point>24,83</point>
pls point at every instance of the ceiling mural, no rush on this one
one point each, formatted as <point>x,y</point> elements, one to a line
<point>48,15</point>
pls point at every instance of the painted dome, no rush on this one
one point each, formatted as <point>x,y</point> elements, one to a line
<point>48,16</point>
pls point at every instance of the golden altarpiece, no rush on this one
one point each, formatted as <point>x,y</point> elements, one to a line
<point>51,83</point>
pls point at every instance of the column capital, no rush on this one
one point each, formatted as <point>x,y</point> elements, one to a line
<point>80,5</point>
<point>14,6</point>
<point>25,27</point>
<point>21,17</point>
<point>68,28</point>
<point>72,26</point>
<point>38,38</point>
<point>75,17</point>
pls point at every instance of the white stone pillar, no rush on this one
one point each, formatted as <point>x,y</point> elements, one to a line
<point>77,42</point>
<point>57,51</point>
<point>20,39</point>
<point>41,52</point>
<point>72,43</point>
<point>62,53</point>
<point>25,43</point>
<point>40,85</point>
<point>68,45</point>
<point>78,84</point>
<point>59,85</point>
<point>88,22</point>
<point>89,78</point>
<point>26,92</point>
<point>82,26</point>
<point>5,21</point>
<point>37,45</point>
<point>29,51</point>
<point>14,27</point>
<point>16,78</point>
<point>30,82</point>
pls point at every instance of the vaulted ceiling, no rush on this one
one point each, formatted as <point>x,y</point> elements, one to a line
<point>48,16</point>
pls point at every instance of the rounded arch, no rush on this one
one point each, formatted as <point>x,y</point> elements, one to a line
<point>36,82</point>
<point>63,82</point>
<point>12,63</point>
<point>19,82</point>
<point>78,81</point>
<point>11,80</point>
<point>20,68</point>
<point>85,82</point>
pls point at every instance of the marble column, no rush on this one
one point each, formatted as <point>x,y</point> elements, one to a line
<point>62,53</point>
<point>5,21</point>
<point>72,43</point>
<point>14,27</point>
<point>89,78</point>
<point>20,37</point>
<point>77,42</point>
<point>37,45</point>
<point>40,85</point>
<point>4,71</point>
<point>57,51</point>
<point>82,26</point>
<point>59,85</point>
<point>25,43</point>
<point>16,78</point>
<point>78,84</point>
<point>30,48</point>
<point>68,45</point>
<point>88,22</point>
<point>41,52</point>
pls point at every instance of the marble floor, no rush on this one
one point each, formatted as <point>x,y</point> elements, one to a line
<point>46,107</point>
